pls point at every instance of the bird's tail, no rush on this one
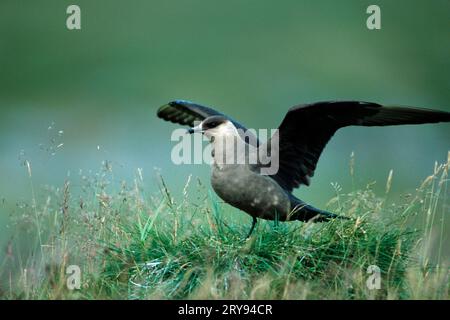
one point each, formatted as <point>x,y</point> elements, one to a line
<point>305,212</point>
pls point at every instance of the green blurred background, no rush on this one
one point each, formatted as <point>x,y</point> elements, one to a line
<point>252,59</point>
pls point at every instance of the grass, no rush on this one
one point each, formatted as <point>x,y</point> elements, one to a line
<point>133,245</point>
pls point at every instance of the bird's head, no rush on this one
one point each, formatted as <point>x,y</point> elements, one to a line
<point>215,126</point>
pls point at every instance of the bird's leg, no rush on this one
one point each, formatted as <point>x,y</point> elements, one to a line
<point>252,228</point>
<point>276,221</point>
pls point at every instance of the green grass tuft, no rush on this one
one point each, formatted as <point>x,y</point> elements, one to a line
<point>131,245</point>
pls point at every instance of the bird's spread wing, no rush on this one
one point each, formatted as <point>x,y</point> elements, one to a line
<point>306,129</point>
<point>186,113</point>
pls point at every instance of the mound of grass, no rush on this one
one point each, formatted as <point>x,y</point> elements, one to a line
<point>132,245</point>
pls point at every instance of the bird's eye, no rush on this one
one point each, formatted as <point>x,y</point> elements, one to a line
<point>212,125</point>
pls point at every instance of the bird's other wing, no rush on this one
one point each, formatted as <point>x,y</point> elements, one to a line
<point>186,113</point>
<point>306,129</point>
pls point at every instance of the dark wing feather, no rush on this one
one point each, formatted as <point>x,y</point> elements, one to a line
<point>186,113</point>
<point>306,129</point>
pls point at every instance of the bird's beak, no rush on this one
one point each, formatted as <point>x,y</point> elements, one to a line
<point>195,129</point>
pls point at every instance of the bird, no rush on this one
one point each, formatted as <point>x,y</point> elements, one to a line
<point>301,138</point>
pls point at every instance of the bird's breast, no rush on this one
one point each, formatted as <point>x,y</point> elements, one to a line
<point>255,194</point>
